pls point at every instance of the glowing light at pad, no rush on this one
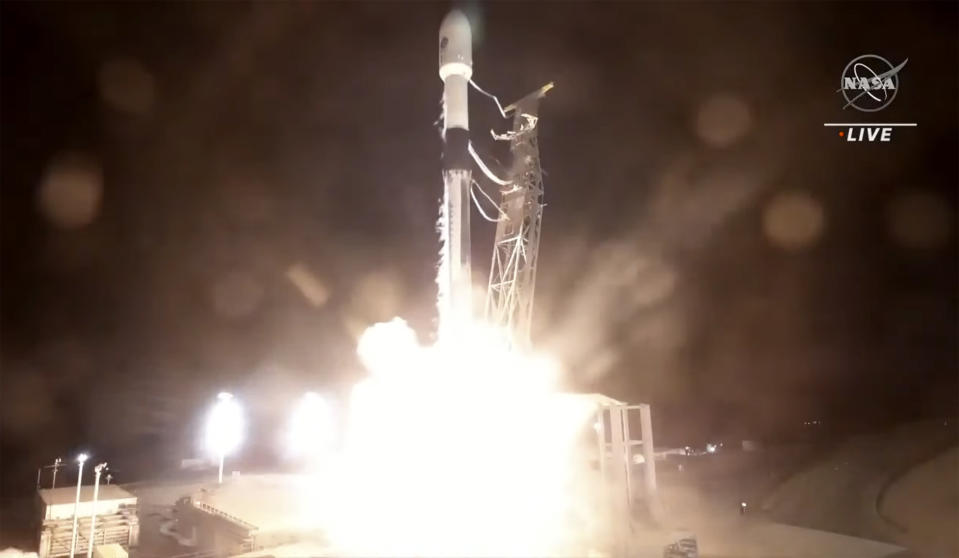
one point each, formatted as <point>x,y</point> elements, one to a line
<point>310,432</point>
<point>462,448</point>
<point>224,426</point>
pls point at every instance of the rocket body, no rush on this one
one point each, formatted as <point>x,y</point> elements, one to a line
<point>455,69</point>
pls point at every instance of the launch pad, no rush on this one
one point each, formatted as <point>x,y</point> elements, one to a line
<point>259,514</point>
<point>249,513</point>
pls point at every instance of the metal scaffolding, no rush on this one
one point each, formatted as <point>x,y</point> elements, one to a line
<point>619,455</point>
<point>512,282</point>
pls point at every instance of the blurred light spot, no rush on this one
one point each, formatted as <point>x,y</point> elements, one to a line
<point>127,86</point>
<point>722,120</point>
<point>920,220</point>
<point>71,191</point>
<point>236,294</point>
<point>793,220</point>
<point>308,284</point>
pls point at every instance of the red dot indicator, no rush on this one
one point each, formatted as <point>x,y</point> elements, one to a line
<point>841,134</point>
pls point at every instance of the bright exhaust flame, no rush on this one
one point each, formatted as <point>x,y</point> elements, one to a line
<point>464,448</point>
<point>310,432</point>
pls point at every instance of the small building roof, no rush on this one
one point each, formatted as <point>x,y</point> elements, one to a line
<point>112,550</point>
<point>293,550</point>
<point>68,494</point>
<point>597,399</point>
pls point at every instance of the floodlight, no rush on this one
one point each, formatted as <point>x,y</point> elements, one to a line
<point>81,459</point>
<point>224,428</point>
<point>310,430</point>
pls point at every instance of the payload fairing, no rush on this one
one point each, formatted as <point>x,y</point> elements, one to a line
<point>456,69</point>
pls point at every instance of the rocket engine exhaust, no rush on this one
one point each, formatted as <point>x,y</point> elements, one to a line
<point>455,69</point>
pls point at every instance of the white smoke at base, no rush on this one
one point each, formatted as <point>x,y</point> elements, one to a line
<point>463,448</point>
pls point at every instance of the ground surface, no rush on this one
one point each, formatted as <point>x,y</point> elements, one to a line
<point>758,538</point>
<point>155,503</point>
<point>841,492</point>
<point>705,497</point>
<point>899,487</point>
<point>924,505</point>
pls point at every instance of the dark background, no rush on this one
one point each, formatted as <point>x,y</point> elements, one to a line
<point>235,140</point>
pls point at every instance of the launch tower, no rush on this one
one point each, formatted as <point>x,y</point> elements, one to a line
<point>512,281</point>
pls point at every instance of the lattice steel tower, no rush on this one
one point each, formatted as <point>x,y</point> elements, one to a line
<point>512,282</point>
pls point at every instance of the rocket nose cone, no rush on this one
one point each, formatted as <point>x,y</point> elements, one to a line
<point>456,26</point>
<point>456,45</point>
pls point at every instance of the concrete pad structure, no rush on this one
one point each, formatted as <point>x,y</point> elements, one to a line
<point>116,511</point>
<point>249,513</point>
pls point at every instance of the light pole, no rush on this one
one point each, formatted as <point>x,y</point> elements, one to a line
<point>56,467</point>
<point>224,429</point>
<point>76,505</point>
<point>93,515</point>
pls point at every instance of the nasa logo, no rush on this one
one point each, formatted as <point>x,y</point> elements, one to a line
<point>869,82</point>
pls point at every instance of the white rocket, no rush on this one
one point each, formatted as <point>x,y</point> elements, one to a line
<point>456,68</point>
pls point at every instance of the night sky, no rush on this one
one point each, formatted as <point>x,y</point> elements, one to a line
<point>708,246</point>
